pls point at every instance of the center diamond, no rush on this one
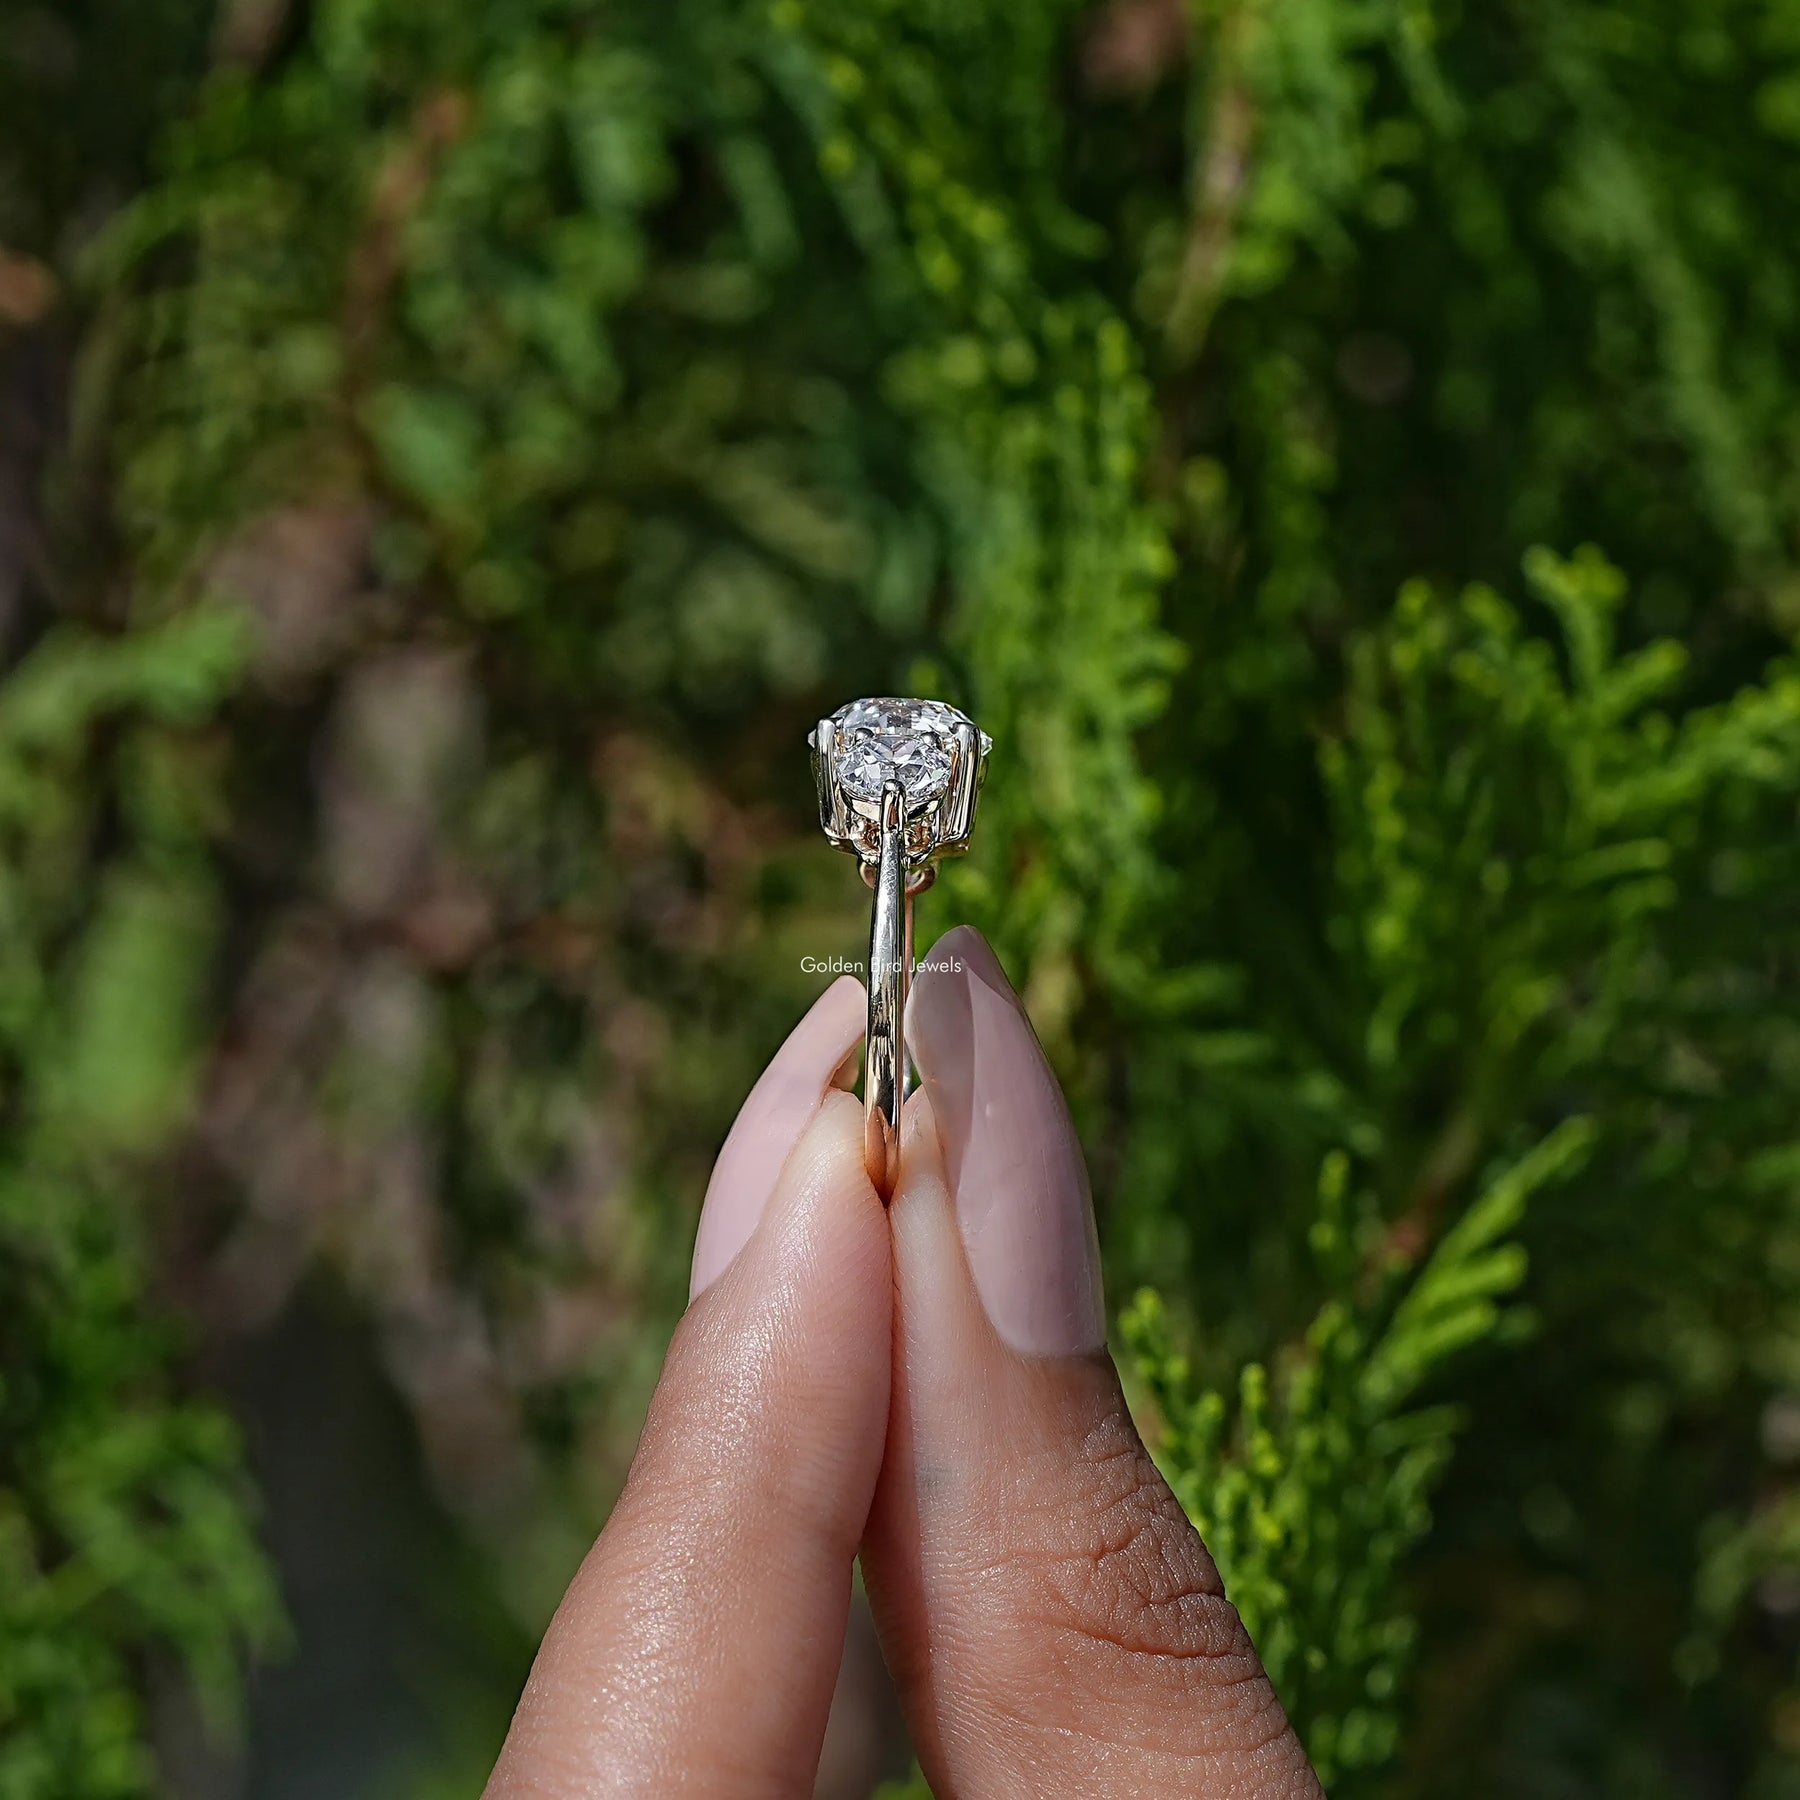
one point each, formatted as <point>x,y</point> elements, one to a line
<point>909,741</point>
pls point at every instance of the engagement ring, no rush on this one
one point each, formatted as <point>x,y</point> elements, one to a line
<point>898,781</point>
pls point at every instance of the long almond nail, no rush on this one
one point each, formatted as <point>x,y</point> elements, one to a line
<point>770,1123</point>
<point>1010,1153</point>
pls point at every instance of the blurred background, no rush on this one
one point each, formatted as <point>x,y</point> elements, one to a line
<point>1347,454</point>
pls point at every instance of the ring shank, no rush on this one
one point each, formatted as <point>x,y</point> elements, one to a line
<point>890,972</point>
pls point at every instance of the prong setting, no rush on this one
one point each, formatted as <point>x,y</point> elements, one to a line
<point>933,753</point>
<point>965,784</point>
<point>833,819</point>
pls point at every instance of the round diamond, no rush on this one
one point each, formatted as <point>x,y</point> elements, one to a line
<point>908,741</point>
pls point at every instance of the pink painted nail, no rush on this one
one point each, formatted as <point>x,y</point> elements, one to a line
<point>1010,1152</point>
<point>783,1103</point>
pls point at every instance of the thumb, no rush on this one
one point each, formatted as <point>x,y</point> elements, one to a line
<point>1052,1618</point>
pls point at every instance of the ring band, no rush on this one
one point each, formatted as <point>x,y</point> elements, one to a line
<point>890,975</point>
<point>897,783</point>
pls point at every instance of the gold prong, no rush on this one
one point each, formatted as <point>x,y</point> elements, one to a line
<point>833,819</point>
<point>959,809</point>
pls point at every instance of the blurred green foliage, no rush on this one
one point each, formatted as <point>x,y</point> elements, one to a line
<point>491,433</point>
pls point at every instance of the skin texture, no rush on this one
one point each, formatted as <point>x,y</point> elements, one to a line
<point>927,1383</point>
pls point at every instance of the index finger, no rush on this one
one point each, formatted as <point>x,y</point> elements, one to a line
<point>697,1649</point>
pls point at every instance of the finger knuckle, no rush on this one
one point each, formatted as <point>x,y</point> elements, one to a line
<point>1131,1603</point>
<point>1138,1578</point>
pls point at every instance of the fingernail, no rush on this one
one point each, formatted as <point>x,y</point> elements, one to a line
<point>1010,1154</point>
<point>770,1123</point>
